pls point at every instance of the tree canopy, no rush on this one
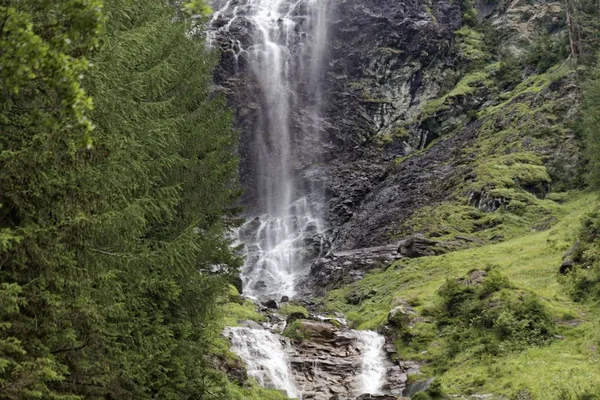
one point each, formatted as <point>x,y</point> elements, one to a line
<point>116,189</point>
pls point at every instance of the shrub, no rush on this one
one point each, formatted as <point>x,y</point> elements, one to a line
<point>491,317</point>
<point>546,51</point>
<point>584,281</point>
<point>296,332</point>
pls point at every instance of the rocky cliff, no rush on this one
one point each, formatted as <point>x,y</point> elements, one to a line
<point>411,96</point>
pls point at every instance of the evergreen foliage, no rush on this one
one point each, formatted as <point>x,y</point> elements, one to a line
<point>112,240</point>
<point>591,125</point>
<point>44,127</point>
<point>584,280</point>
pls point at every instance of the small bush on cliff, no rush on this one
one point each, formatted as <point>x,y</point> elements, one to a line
<point>469,13</point>
<point>291,308</point>
<point>547,50</point>
<point>296,332</point>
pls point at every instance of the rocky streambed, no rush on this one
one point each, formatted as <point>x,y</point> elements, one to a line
<point>319,358</point>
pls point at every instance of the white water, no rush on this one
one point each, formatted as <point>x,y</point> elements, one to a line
<point>265,358</point>
<point>286,57</point>
<point>373,361</point>
<point>275,251</point>
<point>285,52</point>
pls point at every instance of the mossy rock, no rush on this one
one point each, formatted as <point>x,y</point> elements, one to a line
<point>294,311</point>
<point>401,317</point>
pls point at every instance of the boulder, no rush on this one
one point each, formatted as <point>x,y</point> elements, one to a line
<point>476,277</point>
<point>571,257</point>
<point>401,316</point>
<point>420,246</point>
<point>317,329</point>
<point>271,304</point>
<point>237,282</point>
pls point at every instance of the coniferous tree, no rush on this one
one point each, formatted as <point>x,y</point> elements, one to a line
<point>590,124</point>
<point>43,129</point>
<point>166,150</point>
<point>112,241</point>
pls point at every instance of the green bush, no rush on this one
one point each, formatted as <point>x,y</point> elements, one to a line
<point>577,394</point>
<point>584,281</point>
<point>469,14</point>
<point>296,332</point>
<point>509,72</point>
<point>546,51</point>
<point>421,396</point>
<point>291,308</point>
<point>491,317</point>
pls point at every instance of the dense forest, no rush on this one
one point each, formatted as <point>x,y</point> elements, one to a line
<point>118,176</point>
<point>118,194</point>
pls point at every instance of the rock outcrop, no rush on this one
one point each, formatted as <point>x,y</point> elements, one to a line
<point>328,363</point>
<point>571,258</point>
<point>339,268</point>
<point>420,246</point>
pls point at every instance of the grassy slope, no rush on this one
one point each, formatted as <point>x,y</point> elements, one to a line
<point>531,262</point>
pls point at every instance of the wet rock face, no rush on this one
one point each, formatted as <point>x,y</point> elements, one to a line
<point>344,267</point>
<point>422,180</point>
<point>387,58</point>
<point>383,54</point>
<point>328,365</point>
<point>383,60</point>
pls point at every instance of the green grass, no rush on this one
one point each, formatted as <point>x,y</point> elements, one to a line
<point>236,309</point>
<point>255,392</point>
<point>530,262</point>
<point>466,86</point>
<point>291,308</point>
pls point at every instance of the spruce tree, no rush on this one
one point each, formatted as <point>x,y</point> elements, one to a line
<point>113,246</point>
<point>44,128</point>
<point>169,165</point>
<point>591,124</point>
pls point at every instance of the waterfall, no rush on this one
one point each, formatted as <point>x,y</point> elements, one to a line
<point>265,358</point>
<point>280,44</point>
<point>277,50</point>
<point>373,362</point>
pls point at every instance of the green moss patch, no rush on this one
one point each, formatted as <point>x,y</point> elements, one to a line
<point>293,308</point>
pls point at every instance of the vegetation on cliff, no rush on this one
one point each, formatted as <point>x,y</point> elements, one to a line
<point>118,178</point>
<point>516,332</point>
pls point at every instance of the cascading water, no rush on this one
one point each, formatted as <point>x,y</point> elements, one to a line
<point>265,358</point>
<point>278,46</point>
<point>283,50</point>
<point>373,361</point>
